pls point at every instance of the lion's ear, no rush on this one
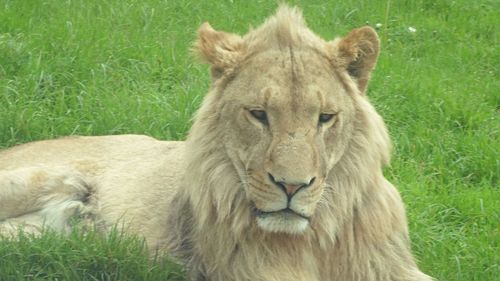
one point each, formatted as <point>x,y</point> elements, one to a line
<point>357,53</point>
<point>220,49</point>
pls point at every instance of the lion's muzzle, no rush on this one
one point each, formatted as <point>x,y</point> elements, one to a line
<point>291,188</point>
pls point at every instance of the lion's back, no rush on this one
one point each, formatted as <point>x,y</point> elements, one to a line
<point>76,148</point>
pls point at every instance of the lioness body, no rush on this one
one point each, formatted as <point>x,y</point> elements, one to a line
<point>280,177</point>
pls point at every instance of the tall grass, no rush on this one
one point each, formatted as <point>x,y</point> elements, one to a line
<point>82,256</point>
<point>114,66</point>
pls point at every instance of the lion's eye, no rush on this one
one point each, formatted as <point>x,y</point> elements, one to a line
<point>260,115</point>
<point>325,118</point>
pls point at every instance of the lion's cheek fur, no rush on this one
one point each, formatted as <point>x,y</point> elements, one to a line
<point>338,137</point>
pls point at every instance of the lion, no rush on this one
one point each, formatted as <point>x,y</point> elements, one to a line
<point>280,177</point>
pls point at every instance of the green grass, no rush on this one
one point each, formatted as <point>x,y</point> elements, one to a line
<point>78,256</point>
<point>114,66</point>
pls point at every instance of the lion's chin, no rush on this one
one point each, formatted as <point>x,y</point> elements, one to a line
<point>283,222</point>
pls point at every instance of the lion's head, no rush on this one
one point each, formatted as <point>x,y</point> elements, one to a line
<point>284,162</point>
<point>283,108</point>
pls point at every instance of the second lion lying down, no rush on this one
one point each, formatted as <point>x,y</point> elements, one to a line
<point>280,177</point>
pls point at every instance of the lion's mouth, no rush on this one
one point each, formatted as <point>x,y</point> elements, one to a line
<point>286,212</point>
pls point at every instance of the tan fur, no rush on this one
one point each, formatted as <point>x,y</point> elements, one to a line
<point>216,202</point>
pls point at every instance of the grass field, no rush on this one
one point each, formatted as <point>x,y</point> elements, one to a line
<point>114,66</point>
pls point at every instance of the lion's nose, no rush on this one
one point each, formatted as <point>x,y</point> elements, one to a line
<point>291,187</point>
